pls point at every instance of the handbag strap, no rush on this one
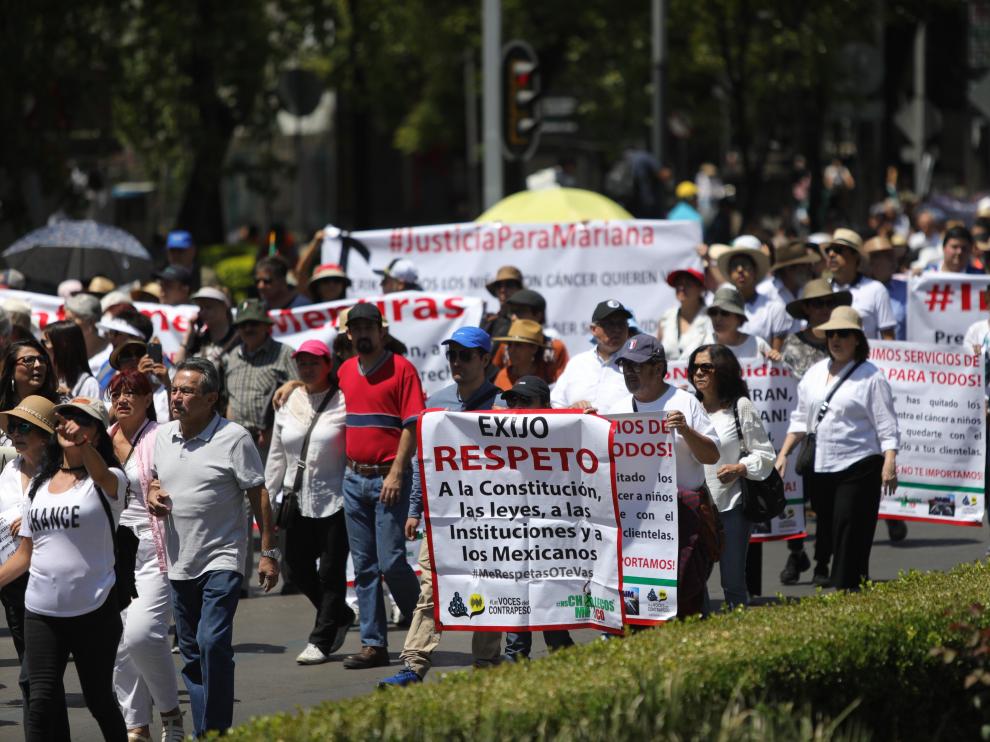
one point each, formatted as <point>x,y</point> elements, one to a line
<point>735,413</point>
<point>828,398</point>
<point>301,465</point>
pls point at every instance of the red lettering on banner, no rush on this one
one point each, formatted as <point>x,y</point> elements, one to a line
<point>397,309</point>
<point>314,320</point>
<point>470,459</point>
<point>454,307</point>
<point>472,238</point>
<point>162,318</point>
<point>426,308</point>
<point>445,455</point>
<point>286,321</point>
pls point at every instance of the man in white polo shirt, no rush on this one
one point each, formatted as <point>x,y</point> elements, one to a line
<point>845,258</point>
<point>204,466</point>
<point>744,266</point>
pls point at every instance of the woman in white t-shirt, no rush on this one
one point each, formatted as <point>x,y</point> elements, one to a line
<point>67,542</point>
<point>728,315</point>
<point>717,376</point>
<point>29,426</point>
<point>685,326</point>
<point>144,672</point>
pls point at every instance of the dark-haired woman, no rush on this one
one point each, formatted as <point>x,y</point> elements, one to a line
<point>144,672</point>
<point>717,377</point>
<point>856,450</point>
<point>67,350</point>
<point>24,370</point>
<point>67,542</point>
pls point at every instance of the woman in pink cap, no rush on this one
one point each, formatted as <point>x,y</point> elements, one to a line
<point>306,465</point>
<point>686,326</point>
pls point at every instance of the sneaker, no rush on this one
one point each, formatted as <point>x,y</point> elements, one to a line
<point>821,578</point>
<point>368,657</point>
<point>897,530</point>
<point>797,562</point>
<point>341,635</point>
<point>172,730</point>
<point>312,655</point>
<point>402,678</point>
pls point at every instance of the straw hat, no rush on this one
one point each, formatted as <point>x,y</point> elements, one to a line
<point>877,244</point>
<point>843,318</point>
<point>148,292</point>
<point>847,238</point>
<point>505,273</point>
<point>728,299</point>
<point>523,331</point>
<point>128,346</point>
<point>36,410</point>
<point>817,289</point>
<point>328,271</point>
<point>794,252</point>
<point>750,247</point>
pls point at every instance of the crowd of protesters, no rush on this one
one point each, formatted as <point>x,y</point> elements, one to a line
<point>133,474</point>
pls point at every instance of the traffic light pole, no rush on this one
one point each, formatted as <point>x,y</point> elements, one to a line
<point>491,58</point>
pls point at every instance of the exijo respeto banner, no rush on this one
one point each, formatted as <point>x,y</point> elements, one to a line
<point>646,486</point>
<point>522,520</point>
<point>573,265</point>
<point>773,391</point>
<point>942,306</point>
<point>939,398</point>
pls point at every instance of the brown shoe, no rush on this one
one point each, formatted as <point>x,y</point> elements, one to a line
<point>368,657</point>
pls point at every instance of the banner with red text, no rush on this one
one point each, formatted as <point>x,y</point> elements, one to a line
<point>939,399</point>
<point>773,391</point>
<point>942,306</point>
<point>521,520</point>
<point>573,265</point>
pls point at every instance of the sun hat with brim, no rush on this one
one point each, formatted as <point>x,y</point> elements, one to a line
<point>505,273</point>
<point>681,272</point>
<point>150,292</point>
<point>128,346</point>
<point>36,410</point>
<point>877,244</point>
<point>846,238</point>
<point>114,298</point>
<point>114,324</point>
<point>843,318</point>
<point>327,271</point>
<point>523,331</point>
<point>100,285</point>
<point>759,258</point>
<point>92,407</point>
<point>793,253</point>
<point>817,289</point>
<point>728,299</point>
<point>213,294</point>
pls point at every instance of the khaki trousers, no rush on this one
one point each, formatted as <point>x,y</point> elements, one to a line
<point>423,638</point>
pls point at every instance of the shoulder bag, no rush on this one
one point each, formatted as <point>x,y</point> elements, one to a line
<point>806,456</point>
<point>762,500</point>
<point>288,509</point>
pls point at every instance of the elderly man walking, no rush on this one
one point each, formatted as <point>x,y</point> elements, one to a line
<point>204,466</point>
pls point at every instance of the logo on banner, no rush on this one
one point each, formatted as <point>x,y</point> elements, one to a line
<point>457,609</point>
<point>630,599</point>
<point>655,597</point>
<point>944,506</point>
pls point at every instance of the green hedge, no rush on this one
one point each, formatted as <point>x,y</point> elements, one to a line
<point>779,672</point>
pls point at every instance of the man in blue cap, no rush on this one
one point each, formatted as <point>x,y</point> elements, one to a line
<point>180,250</point>
<point>469,351</point>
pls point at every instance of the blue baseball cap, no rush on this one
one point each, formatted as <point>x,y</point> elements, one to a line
<point>470,337</point>
<point>179,239</point>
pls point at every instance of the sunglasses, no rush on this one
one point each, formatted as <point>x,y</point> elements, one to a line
<point>464,356</point>
<point>721,313</point>
<point>841,334</point>
<point>837,250</point>
<point>19,427</point>
<point>704,368</point>
<point>79,418</point>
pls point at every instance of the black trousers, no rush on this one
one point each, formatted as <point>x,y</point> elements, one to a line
<point>92,640</point>
<point>848,502</point>
<point>307,540</point>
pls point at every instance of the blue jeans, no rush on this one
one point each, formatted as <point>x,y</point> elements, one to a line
<point>521,643</point>
<point>732,566</point>
<point>378,549</point>
<point>204,624</point>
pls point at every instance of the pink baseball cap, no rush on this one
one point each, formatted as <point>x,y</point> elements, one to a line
<point>314,348</point>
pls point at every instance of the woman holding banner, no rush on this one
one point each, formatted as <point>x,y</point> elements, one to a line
<point>845,417</point>
<point>717,378</point>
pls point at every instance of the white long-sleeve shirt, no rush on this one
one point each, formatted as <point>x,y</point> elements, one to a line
<point>860,421</point>
<point>587,377</point>
<point>322,492</point>
<point>759,462</point>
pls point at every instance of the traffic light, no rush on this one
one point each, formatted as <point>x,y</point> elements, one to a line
<point>520,104</point>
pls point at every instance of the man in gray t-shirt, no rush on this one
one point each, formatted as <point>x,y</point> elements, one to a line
<point>204,466</point>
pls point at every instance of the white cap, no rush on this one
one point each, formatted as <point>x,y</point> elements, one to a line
<point>114,298</point>
<point>68,287</point>
<point>401,270</point>
<point>819,238</point>
<point>208,292</point>
<point>748,241</point>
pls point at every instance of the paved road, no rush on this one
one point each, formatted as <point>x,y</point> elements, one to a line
<point>270,630</point>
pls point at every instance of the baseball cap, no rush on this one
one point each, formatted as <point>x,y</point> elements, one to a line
<point>178,239</point>
<point>689,272</point>
<point>686,189</point>
<point>469,337</point>
<point>607,308</point>
<point>329,270</point>
<point>528,298</point>
<point>209,292</point>
<point>528,387</point>
<point>175,273</point>
<point>364,310</point>
<point>640,349</point>
<point>401,270</point>
<point>314,348</point>
<point>92,407</point>
<point>251,310</point>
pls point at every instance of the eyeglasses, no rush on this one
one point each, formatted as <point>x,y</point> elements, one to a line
<point>464,356</point>
<point>114,396</point>
<point>841,334</point>
<point>28,361</point>
<point>704,368</point>
<point>19,427</point>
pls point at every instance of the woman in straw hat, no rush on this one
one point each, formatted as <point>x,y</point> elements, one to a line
<point>526,348</point>
<point>30,426</point>
<point>855,444</point>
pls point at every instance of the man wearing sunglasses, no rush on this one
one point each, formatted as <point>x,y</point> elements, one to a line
<point>469,351</point>
<point>845,258</point>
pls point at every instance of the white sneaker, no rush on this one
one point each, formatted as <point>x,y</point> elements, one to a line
<point>172,730</point>
<point>312,655</point>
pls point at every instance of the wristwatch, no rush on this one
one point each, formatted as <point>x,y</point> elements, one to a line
<point>275,553</point>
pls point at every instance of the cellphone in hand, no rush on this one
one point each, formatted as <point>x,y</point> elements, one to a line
<point>155,351</point>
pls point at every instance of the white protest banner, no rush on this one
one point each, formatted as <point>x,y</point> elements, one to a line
<point>939,399</point>
<point>773,391</point>
<point>573,265</point>
<point>521,520</point>
<point>8,541</point>
<point>942,306</point>
<point>646,489</point>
